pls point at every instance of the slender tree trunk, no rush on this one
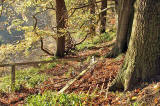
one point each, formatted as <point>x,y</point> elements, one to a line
<point>61,17</point>
<point>125,13</point>
<point>143,55</point>
<point>103,17</point>
<point>92,12</point>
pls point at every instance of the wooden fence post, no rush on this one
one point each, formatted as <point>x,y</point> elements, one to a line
<point>13,78</point>
<point>13,65</point>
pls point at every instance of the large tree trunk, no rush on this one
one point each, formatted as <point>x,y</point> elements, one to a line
<point>103,16</point>
<point>125,11</point>
<point>143,55</point>
<point>61,16</point>
<point>92,12</point>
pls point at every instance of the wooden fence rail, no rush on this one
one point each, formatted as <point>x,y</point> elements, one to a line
<point>13,69</point>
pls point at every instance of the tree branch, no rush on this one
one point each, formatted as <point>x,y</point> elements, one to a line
<point>43,49</point>
<point>1,11</point>
<point>82,39</point>
<point>41,40</point>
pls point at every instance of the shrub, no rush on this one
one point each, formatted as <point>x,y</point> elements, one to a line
<point>53,99</point>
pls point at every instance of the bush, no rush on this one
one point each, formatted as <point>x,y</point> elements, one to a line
<point>53,99</point>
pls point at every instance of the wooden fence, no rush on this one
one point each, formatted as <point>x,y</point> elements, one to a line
<point>13,69</point>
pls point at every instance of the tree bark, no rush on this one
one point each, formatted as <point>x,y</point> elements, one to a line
<point>92,12</point>
<point>143,55</point>
<point>61,17</point>
<point>103,17</point>
<point>125,11</point>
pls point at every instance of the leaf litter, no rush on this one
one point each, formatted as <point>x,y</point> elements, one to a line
<point>95,81</point>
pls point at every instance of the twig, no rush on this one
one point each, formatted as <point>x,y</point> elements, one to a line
<point>102,88</point>
<point>89,90</point>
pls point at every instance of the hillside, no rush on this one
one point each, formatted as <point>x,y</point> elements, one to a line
<point>79,53</point>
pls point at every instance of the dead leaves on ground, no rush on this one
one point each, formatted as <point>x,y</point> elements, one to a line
<point>95,80</point>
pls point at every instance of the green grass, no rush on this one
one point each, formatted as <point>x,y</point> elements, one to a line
<point>85,45</point>
<point>54,99</point>
<point>89,43</point>
<point>105,37</point>
<point>48,66</point>
<point>136,104</point>
<point>30,78</point>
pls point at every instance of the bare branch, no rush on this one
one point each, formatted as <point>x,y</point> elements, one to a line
<point>41,39</point>
<point>83,39</point>
<point>45,50</point>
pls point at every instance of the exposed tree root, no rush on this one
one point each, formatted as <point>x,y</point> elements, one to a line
<point>117,83</point>
<point>113,53</point>
<point>128,77</point>
<point>123,79</point>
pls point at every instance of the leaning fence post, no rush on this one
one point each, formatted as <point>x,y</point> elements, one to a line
<point>13,78</point>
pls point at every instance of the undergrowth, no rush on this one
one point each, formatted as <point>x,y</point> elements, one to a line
<point>89,43</point>
<point>28,77</point>
<point>54,99</point>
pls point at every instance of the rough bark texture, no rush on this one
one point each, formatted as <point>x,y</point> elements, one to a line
<point>103,16</point>
<point>61,16</point>
<point>92,12</point>
<point>125,11</point>
<point>143,55</point>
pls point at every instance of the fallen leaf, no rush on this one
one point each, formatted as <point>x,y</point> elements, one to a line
<point>155,100</point>
<point>134,98</point>
<point>137,90</point>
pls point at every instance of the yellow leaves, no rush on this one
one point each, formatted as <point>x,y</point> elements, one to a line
<point>6,23</point>
<point>157,86</point>
<point>155,100</point>
<point>7,49</point>
<point>30,37</point>
<point>45,33</point>
<point>17,22</point>
<point>27,28</point>
<point>137,90</point>
<point>24,17</point>
<point>28,3</point>
<point>0,8</point>
<point>15,25</point>
<point>13,49</point>
<point>134,98</point>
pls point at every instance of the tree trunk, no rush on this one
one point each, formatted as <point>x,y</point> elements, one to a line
<point>143,54</point>
<point>103,17</point>
<point>61,17</point>
<point>92,12</point>
<point>125,11</point>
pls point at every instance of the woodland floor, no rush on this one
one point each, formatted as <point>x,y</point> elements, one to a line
<point>95,80</point>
